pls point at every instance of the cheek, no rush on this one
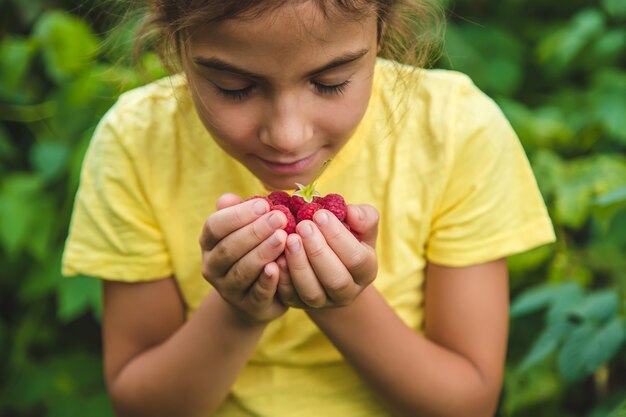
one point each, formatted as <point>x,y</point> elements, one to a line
<point>341,120</point>
<point>229,127</point>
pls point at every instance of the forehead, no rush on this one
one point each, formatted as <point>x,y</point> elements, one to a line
<point>293,24</point>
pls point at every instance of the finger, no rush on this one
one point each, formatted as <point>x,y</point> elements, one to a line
<point>359,260</point>
<point>363,219</point>
<point>335,278</point>
<point>225,221</point>
<point>262,292</point>
<point>305,282</point>
<point>242,275</point>
<point>228,200</point>
<point>240,242</point>
<point>283,268</point>
<point>286,291</point>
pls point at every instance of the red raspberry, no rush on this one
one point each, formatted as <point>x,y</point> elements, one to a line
<point>279,198</point>
<point>307,210</point>
<point>296,202</point>
<point>336,205</point>
<point>290,227</point>
<point>262,197</point>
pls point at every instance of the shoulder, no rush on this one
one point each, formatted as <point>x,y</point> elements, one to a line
<point>147,115</point>
<point>150,103</point>
<point>415,82</point>
<point>157,92</point>
<point>431,87</point>
<point>439,97</point>
<point>435,108</point>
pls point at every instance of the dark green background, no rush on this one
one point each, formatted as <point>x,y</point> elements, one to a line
<point>558,70</point>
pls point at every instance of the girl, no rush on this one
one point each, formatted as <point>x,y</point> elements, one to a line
<point>410,321</point>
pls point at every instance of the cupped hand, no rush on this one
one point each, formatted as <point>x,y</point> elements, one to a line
<point>324,264</point>
<point>240,243</point>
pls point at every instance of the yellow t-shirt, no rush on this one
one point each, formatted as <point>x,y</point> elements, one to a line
<point>436,157</point>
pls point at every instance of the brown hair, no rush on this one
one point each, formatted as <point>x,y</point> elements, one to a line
<point>409,30</point>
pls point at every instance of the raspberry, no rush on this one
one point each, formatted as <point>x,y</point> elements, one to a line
<point>279,198</point>
<point>290,227</point>
<point>297,209</point>
<point>296,202</point>
<point>336,204</point>
<point>307,210</point>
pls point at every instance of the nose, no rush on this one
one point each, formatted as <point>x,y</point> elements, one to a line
<point>286,126</point>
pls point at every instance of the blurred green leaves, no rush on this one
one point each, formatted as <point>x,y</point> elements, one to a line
<point>55,84</point>
<point>615,8</point>
<point>62,386</point>
<point>557,51</point>
<point>67,42</point>
<point>609,102</point>
<point>16,55</point>
<point>469,44</point>
<point>574,186</point>
<point>79,296</point>
<point>589,328</point>
<point>20,213</point>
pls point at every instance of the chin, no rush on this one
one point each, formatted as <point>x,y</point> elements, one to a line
<point>279,185</point>
<point>277,182</point>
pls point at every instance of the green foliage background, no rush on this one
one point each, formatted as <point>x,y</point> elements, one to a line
<point>558,69</point>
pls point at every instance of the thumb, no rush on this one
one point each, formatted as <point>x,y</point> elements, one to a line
<point>363,219</point>
<point>228,200</point>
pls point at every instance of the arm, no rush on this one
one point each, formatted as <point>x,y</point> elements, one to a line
<point>456,368</point>
<point>156,364</point>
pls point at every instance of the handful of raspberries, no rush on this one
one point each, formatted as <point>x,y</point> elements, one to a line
<point>303,203</point>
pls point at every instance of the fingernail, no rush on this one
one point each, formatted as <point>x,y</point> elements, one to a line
<point>360,212</point>
<point>259,207</point>
<point>306,230</point>
<point>321,217</point>
<point>274,239</point>
<point>275,221</point>
<point>294,245</point>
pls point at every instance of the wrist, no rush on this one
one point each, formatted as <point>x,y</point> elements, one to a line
<point>234,317</point>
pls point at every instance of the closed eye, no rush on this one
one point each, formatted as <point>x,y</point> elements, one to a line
<point>237,95</point>
<point>243,93</point>
<point>335,89</point>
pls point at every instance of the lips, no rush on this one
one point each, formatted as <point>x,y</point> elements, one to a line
<point>289,167</point>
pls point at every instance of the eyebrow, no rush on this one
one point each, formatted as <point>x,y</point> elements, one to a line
<point>220,65</point>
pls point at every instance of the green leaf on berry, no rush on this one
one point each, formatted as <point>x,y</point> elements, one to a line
<point>307,192</point>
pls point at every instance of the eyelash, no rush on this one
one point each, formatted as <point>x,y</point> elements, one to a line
<point>236,95</point>
<point>241,94</point>
<point>337,89</point>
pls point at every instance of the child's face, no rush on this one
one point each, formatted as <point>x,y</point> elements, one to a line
<point>283,92</point>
